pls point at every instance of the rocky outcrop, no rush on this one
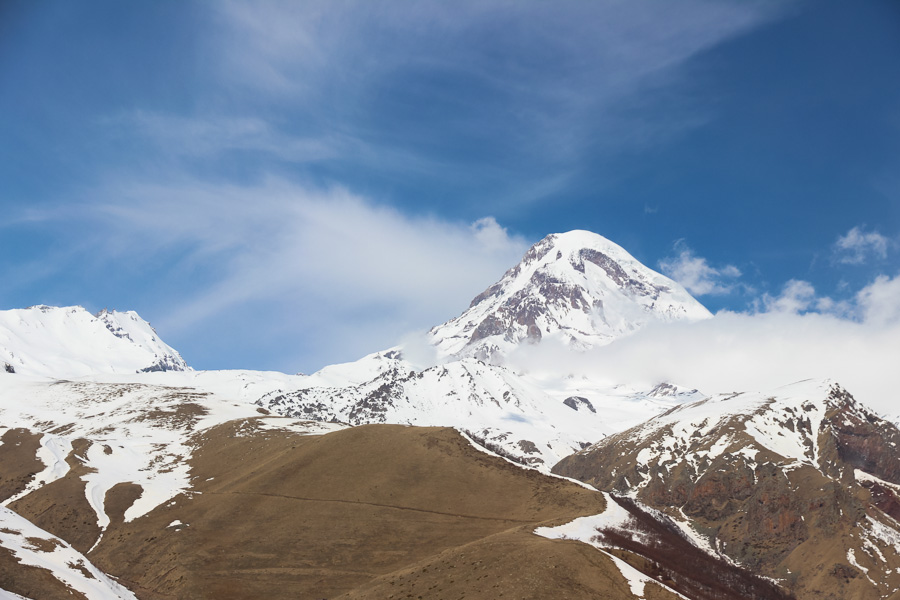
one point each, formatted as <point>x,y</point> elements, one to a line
<point>801,488</point>
<point>577,287</point>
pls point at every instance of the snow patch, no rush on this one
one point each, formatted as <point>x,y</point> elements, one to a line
<point>35,547</point>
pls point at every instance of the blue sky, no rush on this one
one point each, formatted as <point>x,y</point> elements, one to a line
<point>287,185</point>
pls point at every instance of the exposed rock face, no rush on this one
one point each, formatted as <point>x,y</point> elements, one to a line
<point>577,287</point>
<point>579,403</point>
<point>861,439</point>
<point>165,363</point>
<point>658,547</point>
<point>802,486</point>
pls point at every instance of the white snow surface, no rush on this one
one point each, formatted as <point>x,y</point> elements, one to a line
<point>69,342</point>
<point>585,529</point>
<point>785,421</point>
<point>35,547</point>
<point>79,375</point>
<point>517,415</point>
<point>139,426</point>
<point>577,288</point>
<point>580,287</point>
<point>862,476</point>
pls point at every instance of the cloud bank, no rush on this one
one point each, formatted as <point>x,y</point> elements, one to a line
<point>793,338</point>
<point>346,275</point>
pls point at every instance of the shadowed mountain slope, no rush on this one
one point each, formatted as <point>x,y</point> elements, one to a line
<point>801,485</point>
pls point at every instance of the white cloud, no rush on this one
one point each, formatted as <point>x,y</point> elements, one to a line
<point>796,297</point>
<point>879,302</point>
<point>856,246</point>
<point>490,235</point>
<point>854,343</point>
<point>356,273</point>
<point>696,275</point>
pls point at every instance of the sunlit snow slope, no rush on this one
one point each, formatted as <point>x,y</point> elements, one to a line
<point>66,342</point>
<point>578,288</point>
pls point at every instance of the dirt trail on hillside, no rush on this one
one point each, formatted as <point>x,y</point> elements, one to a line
<point>279,515</point>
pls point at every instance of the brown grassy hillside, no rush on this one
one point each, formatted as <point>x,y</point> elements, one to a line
<point>280,515</point>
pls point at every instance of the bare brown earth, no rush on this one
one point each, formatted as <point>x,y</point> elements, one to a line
<point>379,511</point>
<point>512,564</point>
<point>20,462</point>
<point>61,506</point>
<point>279,515</point>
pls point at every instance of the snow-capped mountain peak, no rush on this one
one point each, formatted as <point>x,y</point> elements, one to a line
<point>578,287</point>
<point>69,341</point>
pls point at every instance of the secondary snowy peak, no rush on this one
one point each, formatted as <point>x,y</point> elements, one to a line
<point>811,423</point>
<point>577,287</point>
<point>59,342</point>
<point>803,480</point>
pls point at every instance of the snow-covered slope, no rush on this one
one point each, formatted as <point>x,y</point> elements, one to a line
<point>577,287</point>
<point>773,482</point>
<point>791,426</point>
<point>500,409</point>
<point>139,432</point>
<point>491,403</point>
<point>68,342</point>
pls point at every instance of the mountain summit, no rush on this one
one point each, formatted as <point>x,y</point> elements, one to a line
<point>69,341</point>
<point>577,287</point>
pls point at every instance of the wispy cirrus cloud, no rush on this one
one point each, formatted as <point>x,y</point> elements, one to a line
<point>170,139</point>
<point>210,135</point>
<point>532,84</point>
<point>345,275</point>
<point>280,174</point>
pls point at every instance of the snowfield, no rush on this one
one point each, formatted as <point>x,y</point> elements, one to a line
<point>70,342</point>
